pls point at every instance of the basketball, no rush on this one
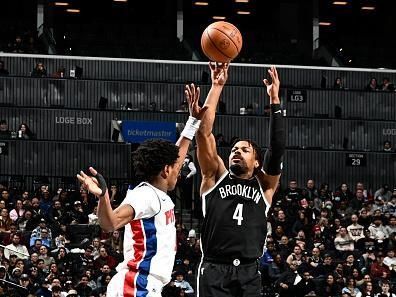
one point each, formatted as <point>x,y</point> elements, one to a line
<point>221,42</point>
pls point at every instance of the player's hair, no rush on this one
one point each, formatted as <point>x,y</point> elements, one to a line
<point>257,150</point>
<point>151,157</point>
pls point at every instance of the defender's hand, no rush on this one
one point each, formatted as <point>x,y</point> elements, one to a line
<point>273,88</point>
<point>192,95</point>
<point>219,73</point>
<point>90,183</point>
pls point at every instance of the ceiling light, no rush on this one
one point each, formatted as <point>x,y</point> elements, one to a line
<point>217,17</point>
<point>324,24</point>
<point>61,4</point>
<point>343,3</point>
<point>241,1</point>
<point>368,8</point>
<point>120,1</point>
<point>201,3</point>
<point>73,10</point>
<point>243,12</point>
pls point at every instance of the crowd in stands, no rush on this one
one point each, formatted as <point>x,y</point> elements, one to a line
<point>320,243</point>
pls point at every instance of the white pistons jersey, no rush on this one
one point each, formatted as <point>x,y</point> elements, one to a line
<point>149,244</point>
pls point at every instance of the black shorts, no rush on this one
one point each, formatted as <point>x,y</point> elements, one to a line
<point>224,280</point>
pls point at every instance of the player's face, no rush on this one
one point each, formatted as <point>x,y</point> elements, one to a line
<point>242,159</point>
<point>173,174</point>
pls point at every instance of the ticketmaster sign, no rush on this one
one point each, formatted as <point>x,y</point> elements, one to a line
<point>137,132</point>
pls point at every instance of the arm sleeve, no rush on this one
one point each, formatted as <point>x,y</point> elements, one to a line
<point>272,164</point>
<point>144,200</point>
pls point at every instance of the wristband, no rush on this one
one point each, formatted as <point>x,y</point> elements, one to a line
<point>191,128</point>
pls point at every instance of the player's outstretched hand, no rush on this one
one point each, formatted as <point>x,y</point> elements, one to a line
<point>219,73</point>
<point>273,87</point>
<point>192,95</point>
<point>94,184</point>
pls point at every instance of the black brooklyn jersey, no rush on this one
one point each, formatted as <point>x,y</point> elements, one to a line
<point>235,223</point>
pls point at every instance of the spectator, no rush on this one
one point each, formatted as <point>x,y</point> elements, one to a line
<point>20,249</point>
<point>343,242</point>
<point>104,258</point>
<point>183,284</point>
<point>25,223</point>
<point>330,288</point>
<point>338,84</point>
<point>18,211</point>
<point>276,268</point>
<point>77,215</point>
<point>185,182</point>
<point>48,260</point>
<point>93,217</point>
<point>3,71</point>
<point>390,260</point>
<point>37,234</point>
<point>4,132</point>
<point>56,214</point>
<point>83,290</point>
<point>372,85</point>
<point>39,70</point>
<point>306,286</point>
<point>44,289</point>
<point>391,227</point>
<point>24,132</point>
<point>355,230</point>
<point>16,46</point>
<point>287,282</point>
<point>60,73</point>
<point>358,200</point>
<point>367,290</point>
<point>383,192</point>
<point>351,288</point>
<point>377,230</point>
<point>385,290</point>
<point>115,242</point>
<point>387,86</point>
<point>84,261</point>
<point>5,221</point>
<point>378,269</point>
<point>105,271</point>
<point>387,146</point>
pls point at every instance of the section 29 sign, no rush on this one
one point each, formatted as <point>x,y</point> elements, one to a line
<point>137,132</point>
<point>356,159</point>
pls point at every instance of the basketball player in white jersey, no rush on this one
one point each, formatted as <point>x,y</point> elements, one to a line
<point>147,212</point>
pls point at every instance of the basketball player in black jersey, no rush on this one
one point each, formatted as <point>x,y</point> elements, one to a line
<point>235,201</point>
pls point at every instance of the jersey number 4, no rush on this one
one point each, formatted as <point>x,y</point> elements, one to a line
<point>238,213</point>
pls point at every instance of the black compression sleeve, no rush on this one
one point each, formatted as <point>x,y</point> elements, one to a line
<point>272,164</point>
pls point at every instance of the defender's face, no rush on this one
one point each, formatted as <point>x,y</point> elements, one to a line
<point>242,158</point>
<point>173,172</point>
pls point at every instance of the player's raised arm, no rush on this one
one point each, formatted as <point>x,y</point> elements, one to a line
<point>272,164</point>
<point>110,220</point>
<point>211,164</point>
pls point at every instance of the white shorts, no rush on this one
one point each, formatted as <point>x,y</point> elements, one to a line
<point>130,284</point>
